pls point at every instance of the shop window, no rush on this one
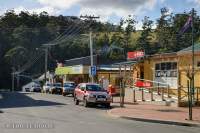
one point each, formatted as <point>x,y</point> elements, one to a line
<point>166,69</point>
<point>198,64</point>
<point>157,66</point>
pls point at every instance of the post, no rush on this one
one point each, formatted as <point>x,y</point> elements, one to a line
<point>91,42</point>
<point>158,89</point>
<point>143,94</point>
<point>13,80</point>
<point>120,85</point>
<point>91,55</point>
<point>198,95</point>
<point>134,99</point>
<point>193,62</point>
<point>46,62</point>
<point>162,94</point>
<point>189,100</point>
<point>152,94</point>
<point>124,85</point>
<point>168,91</point>
<point>18,78</point>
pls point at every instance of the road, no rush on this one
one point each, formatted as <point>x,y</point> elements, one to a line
<point>45,113</point>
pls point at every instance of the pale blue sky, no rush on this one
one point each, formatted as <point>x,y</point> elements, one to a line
<point>108,10</point>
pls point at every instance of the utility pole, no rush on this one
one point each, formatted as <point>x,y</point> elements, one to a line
<point>193,63</point>
<point>91,55</point>
<point>46,62</point>
<point>91,18</point>
<point>13,79</point>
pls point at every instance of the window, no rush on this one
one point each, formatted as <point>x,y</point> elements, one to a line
<point>198,64</point>
<point>166,69</point>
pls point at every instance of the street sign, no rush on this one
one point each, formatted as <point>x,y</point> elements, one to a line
<point>93,70</point>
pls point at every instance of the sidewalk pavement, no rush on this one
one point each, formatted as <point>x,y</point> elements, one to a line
<point>156,113</point>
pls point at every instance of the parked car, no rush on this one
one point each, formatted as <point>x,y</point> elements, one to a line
<point>90,93</point>
<point>56,88</point>
<point>35,88</point>
<point>47,87</point>
<point>68,88</point>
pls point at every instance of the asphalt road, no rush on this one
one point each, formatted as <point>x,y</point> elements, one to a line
<point>45,113</point>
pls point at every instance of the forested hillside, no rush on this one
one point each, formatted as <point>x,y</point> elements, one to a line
<point>22,37</point>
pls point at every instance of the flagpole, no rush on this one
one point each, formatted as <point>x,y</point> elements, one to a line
<point>193,63</point>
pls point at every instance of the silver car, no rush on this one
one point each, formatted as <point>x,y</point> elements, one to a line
<point>68,88</point>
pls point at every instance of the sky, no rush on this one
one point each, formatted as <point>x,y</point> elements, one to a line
<point>108,10</point>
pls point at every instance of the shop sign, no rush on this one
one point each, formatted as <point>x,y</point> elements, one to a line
<point>135,54</point>
<point>143,84</point>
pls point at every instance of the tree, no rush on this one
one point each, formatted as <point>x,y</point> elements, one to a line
<point>144,41</point>
<point>163,30</point>
<point>129,29</point>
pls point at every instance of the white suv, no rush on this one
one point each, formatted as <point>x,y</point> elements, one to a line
<point>47,87</point>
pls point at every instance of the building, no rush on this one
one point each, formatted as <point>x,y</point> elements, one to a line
<point>77,70</point>
<point>173,69</point>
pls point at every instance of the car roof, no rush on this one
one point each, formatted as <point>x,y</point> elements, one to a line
<point>57,83</point>
<point>68,82</point>
<point>89,83</point>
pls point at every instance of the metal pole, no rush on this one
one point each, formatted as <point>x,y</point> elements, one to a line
<point>91,55</point>
<point>152,94</point>
<point>168,91</point>
<point>13,81</point>
<point>134,99</point>
<point>189,100</point>
<point>46,61</point>
<point>192,84</point>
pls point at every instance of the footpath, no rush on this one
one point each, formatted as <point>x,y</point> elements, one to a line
<point>156,113</point>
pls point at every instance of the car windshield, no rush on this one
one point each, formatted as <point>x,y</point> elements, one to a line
<point>94,88</point>
<point>69,85</point>
<point>48,84</point>
<point>57,84</point>
<point>36,86</point>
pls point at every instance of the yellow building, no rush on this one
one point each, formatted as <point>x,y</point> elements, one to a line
<point>173,69</point>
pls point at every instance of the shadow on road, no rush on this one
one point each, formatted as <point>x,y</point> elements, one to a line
<point>18,100</point>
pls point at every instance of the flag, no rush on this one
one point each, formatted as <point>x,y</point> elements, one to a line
<point>186,26</point>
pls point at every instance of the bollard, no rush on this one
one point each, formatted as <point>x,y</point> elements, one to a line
<point>134,99</point>
<point>162,94</point>
<point>143,94</point>
<point>152,94</point>
<point>158,89</point>
<point>198,94</point>
<point>168,91</point>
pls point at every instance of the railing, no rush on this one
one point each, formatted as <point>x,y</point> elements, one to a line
<point>155,86</point>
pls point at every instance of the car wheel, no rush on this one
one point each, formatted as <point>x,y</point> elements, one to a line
<point>107,105</point>
<point>85,103</point>
<point>76,101</point>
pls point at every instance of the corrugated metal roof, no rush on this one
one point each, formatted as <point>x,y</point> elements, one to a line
<point>80,61</point>
<point>189,49</point>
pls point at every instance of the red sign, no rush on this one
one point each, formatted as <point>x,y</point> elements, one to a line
<point>143,84</point>
<point>135,55</point>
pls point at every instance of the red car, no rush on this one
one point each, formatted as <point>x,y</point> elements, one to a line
<point>90,93</point>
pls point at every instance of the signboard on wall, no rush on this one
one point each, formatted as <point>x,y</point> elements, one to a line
<point>135,55</point>
<point>143,84</point>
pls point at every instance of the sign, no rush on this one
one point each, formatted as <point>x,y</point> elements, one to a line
<point>135,54</point>
<point>93,70</point>
<point>142,84</point>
